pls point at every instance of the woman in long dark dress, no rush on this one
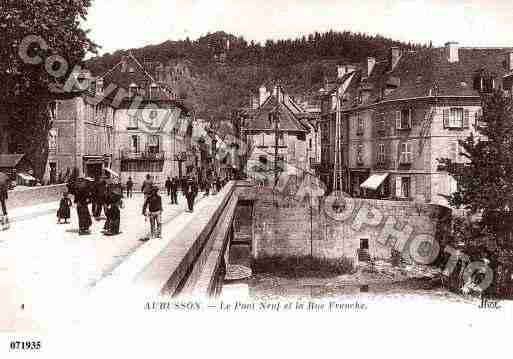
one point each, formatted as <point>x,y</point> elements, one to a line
<point>82,199</point>
<point>64,211</point>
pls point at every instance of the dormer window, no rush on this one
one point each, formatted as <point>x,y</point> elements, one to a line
<point>153,90</point>
<point>99,86</point>
<point>484,82</point>
<point>132,90</point>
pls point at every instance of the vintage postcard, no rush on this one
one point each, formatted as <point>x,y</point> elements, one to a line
<point>194,176</point>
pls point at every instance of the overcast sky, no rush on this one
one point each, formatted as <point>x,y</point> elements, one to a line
<point>121,24</point>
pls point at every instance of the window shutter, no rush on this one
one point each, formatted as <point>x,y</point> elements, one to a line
<point>466,118</point>
<point>398,120</point>
<point>446,115</point>
<point>398,186</point>
<point>410,118</point>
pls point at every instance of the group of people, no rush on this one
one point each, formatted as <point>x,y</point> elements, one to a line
<point>108,198</point>
<point>102,196</point>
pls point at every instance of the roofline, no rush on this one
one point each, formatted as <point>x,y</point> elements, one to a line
<point>412,99</point>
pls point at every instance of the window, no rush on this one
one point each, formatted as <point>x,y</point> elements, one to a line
<point>134,143</point>
<point>403,187</point>
<point>381,153</point>
<point>281,139</point>
<point>359,154</point>
<point>406,153</point>
<point>310,143</point>
<point>360,125</point>
<point>456,117</point>
<point>403,119</point>
<point>364,243</point>
<point>132,90</point>
<point>153,90</point>
<point>153,144</point>
<point>133,123</point>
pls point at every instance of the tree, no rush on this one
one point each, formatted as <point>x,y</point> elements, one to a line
<point>38,31</point>
<point>485,181</point>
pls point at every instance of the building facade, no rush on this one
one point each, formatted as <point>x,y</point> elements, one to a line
<point>283,144</point>
<point>82,136</point>
<point>406,112</point>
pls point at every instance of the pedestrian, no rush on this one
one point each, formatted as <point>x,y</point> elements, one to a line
<point>114,201</point>
<point>218,184</point>
<point>113,214</point>
<point>147,186</point>
<point>129,187</point>
<point>64,211</point>
<point>207,186</point>
<point>3,199</point>
<point>168,186</point>
<point>191,190</point>
<point>100,189</point>
<point>82,200</point>
<point>152,209</point>
<point>174,191</point>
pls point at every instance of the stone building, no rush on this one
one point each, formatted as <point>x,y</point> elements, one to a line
<point>150,123</point>
<point>82,136</point>
<point>294,128</point>
<point>405,112</point>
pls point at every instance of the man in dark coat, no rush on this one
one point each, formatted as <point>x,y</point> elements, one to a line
<point>153,209</point>
<point>168,186</point>
<point>129,187</point>
<point>190,191</point>
<point>174,191</point>
<point>100,190</point>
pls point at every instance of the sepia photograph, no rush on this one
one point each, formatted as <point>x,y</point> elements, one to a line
<point>242,175</point>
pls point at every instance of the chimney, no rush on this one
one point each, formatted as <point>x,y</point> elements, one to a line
<point>395,55</point>
<point>341,71</point>
<point>263,95</point>
<point>371,62</point>
<point>124,61</point>
<point>509,61</point>
<point>452,51</point>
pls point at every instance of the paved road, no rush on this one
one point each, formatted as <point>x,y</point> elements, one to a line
<point>44,264</point>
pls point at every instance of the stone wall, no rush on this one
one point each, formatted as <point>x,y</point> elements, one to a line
<point>293,228</point>
<point>35,195</point>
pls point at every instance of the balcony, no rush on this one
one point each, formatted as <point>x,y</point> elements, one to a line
<point>142,155</point>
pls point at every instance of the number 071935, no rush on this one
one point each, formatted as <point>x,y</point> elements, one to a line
<point>25,345</point>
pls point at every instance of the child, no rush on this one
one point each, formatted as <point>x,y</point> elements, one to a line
<point>154,205</point>
<point>64,209</point>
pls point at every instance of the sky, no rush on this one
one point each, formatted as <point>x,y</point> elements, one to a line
<point>122,24</point>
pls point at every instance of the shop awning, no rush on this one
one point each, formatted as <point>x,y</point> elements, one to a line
<point>112,173</point>
<point>374,181</point>
<point>26,177</point>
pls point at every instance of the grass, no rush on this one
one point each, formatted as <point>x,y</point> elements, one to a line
<point>303,266</point>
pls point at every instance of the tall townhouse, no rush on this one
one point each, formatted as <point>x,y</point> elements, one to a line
<point>151,126</point>
<point>81,136</point>
<point>409,111</point>
<point>259,128</point>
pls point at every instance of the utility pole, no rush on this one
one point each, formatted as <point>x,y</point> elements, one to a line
<point>276,135</point>
<point>337,176</point>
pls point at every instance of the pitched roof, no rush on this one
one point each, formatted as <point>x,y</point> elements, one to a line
<point>131,72</point>
<point>428,72</point>
<point>10,160</point>
<point>422,72</point>
<point>288,119</point>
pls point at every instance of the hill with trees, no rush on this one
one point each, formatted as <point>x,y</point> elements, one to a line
<point>224,69</point>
